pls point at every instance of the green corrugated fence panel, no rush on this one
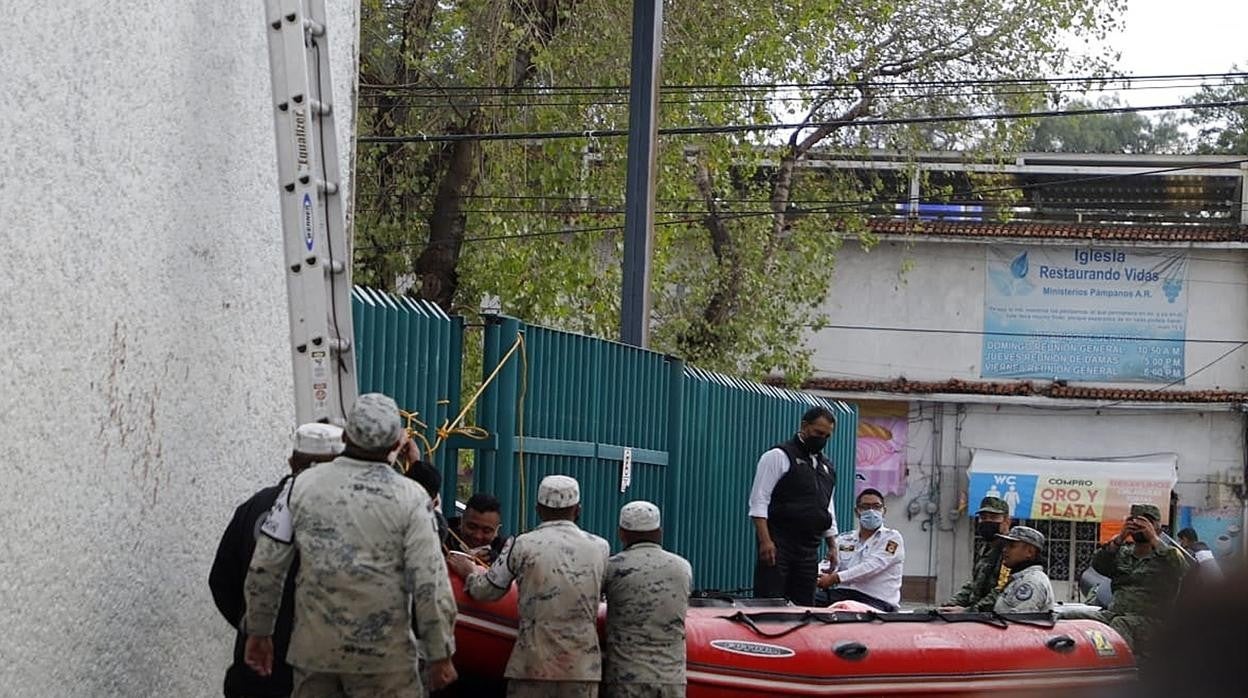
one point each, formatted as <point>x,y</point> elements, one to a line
<point>696,437</point>
<point>410,350</point>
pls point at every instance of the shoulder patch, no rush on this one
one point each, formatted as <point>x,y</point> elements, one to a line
<point>1023,592</point>
<point>279,523</point>
<point>891,547</point>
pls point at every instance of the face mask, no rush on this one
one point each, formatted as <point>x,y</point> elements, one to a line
<point>814,444</point>
<point>987,530</point>
<point>871,519</point>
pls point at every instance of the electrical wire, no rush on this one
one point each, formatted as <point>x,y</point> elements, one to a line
<point>828,84</point>
<point>826,209</point>
<point>800,126</point>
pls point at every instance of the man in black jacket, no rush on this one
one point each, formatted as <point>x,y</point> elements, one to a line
<point>314,443</point>
<point>791,507</point>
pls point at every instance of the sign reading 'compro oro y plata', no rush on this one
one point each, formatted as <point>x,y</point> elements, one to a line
<point>1072,490</point>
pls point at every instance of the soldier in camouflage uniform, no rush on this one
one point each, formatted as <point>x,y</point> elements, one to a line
<point>988,576</point>
<point>558,569</point>
<point>647,597</point>
<point>369,559</point>
<point>1145,577</point>
<point>1028,590</point>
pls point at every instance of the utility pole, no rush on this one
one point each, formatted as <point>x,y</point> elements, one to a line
<point>643,103</point>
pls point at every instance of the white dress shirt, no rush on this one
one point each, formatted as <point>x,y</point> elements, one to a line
<point>873,566</point>
<point>771,467</point>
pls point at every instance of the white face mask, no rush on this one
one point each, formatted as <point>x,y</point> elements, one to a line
<point>871,519</point>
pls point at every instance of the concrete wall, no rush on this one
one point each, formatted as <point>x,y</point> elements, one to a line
<point>941,286</point>
<point>145,387</point>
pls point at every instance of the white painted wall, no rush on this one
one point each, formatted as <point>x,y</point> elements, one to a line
<point>940,285</point>
<point>146,384</point>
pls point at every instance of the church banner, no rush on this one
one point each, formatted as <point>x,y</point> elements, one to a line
<point>1085,314</point>
<point>1071,490</point>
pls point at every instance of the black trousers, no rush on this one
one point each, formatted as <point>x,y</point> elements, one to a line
<point>797,566</point>
<point>827,597</point>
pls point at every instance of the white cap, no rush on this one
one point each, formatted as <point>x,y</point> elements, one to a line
<point>639,516</point>
<point>558,492</point>
<point>317,439</point>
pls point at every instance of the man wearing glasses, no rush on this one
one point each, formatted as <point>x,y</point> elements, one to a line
<point>869,559</point>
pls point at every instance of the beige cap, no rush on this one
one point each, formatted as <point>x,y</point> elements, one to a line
<point>317,439</point>
<point>558,492</point>
<point>639,516</point>
<point>374,422</point>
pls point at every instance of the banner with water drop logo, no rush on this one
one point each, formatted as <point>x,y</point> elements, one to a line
<point>1095,314</point>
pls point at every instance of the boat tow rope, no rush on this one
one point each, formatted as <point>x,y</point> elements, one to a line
<point>799,621</point>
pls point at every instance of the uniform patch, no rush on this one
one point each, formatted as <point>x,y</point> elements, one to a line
<point>279,523</point>
<point>891,547</point>
<point>1102,645</point>
<point>1023,592</point>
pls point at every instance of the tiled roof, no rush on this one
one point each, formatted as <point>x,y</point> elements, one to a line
<point>1056,230</point>
<point>1023,388</point>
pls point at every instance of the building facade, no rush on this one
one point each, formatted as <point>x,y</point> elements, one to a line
<point>146,370</point>
<point>1087,353</point>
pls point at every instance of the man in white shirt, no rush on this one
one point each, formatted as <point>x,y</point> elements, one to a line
<point>791,507</point>
<point>869,559</point>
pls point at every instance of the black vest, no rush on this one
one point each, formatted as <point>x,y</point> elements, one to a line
<point>799,502</point>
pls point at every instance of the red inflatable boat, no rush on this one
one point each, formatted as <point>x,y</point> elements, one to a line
<point>756,648</point>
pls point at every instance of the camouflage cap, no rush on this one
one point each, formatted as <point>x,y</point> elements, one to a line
<point>374,422</point>
<point>993,505</point>
<point>639,516</point>
<point>1148,511</point>
<point>1025,534</point>
<point>558,492</point>
<point>317,439</point>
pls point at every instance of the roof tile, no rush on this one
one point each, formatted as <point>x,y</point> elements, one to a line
<point>1057,230</point>
<point>1024,388</point>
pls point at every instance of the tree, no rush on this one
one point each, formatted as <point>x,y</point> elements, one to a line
<point>1129,132</point>
<point>1221,129</point>
<point>746,235</point>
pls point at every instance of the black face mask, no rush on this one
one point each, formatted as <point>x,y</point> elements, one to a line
<point>987,530</point>
<point>813,444</point>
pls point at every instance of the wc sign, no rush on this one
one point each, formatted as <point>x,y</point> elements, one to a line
<point>1017,490</point>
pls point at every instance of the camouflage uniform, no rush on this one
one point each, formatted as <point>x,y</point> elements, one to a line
<point>987,579</point>
<point>1028,591</point>
<point>988,576</point>
<point>647,597</point>
<point>558,569</point>
<point>369,558</point>
<point>1144,589</point>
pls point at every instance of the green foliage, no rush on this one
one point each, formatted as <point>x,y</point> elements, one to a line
<point>1222,129</point>
<point>745,238</point>
<point>1131,132</point>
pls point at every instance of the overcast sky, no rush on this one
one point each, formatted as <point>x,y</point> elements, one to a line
<point>1180,36</point>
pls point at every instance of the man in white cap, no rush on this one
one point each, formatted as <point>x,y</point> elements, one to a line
<point>1029,589</point>
<point>647,597</point>
<point>370,560</point>
<point>559,569</point>
<point>313,443</point>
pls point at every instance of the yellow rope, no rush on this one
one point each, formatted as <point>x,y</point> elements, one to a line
<point>415,427</point>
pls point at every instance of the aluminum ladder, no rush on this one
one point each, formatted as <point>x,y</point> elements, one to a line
<point>318,265</point>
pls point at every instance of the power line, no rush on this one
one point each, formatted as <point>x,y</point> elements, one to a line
<point>801,126</point>
<point>435,100</point>
<point>824,209</point>
<point>828,84</point>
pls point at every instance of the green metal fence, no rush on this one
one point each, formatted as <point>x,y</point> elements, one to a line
<point>625,422</point>
<point>412,351</point>
<point>634,424</point>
